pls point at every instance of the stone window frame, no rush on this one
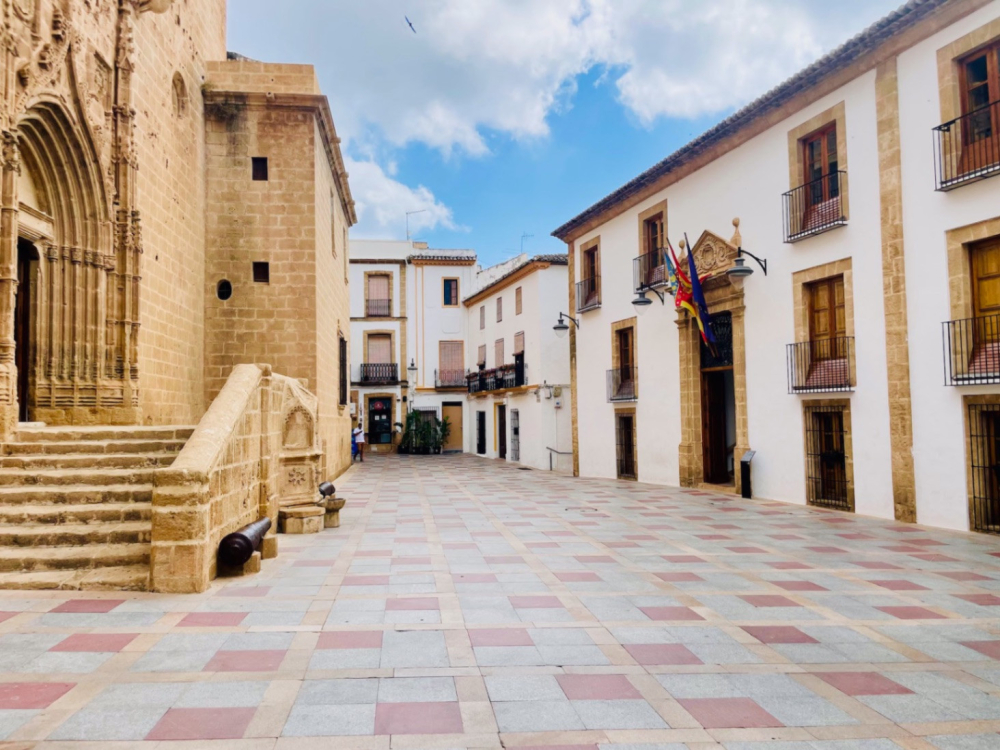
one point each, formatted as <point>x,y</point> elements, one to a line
<point>392,280</point>
<point>835,115</point>
<point>644,216</point>
<point>392,343</point>
<point>838,403</point>
<point>458,291</point>
<point>800,300</point>
<point>949,68</point>
<point>594,243</point>
<point>959,267</point>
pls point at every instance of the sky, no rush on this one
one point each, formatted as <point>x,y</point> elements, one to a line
<point>503,118</point>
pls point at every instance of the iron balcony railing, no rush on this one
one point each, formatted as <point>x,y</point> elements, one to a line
<point>623,384</point>
<point>967,149</point>
<point>972,351</point>
<point>449,378</point>
<point>498,379</point>
<point>588,294</point>
<point>378,308</point>
<point>380,374</point>
<point>649,271</point>
<point>815,207</point>
<point>822,366</point>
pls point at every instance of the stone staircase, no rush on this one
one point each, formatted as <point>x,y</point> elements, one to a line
<point>76,505</point>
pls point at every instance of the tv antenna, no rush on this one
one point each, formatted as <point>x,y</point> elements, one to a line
<point>523,238</point>
<point>408,215</point>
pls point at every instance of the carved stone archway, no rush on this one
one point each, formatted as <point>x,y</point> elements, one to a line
<point>712,255</point>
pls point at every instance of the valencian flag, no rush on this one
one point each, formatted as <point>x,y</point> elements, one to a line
<point>689,295</point>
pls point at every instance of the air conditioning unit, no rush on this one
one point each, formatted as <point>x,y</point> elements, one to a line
<point>354,409</point>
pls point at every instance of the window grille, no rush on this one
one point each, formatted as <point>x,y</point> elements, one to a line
<point>625,446</point>
<point>826,458</point>
<point>984,457</point>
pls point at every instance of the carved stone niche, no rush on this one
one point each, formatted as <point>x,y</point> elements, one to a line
<point>713,256</point>
<point>300,457</point>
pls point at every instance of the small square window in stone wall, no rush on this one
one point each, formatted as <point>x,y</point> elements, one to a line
<point>262,272</point>
<point>259,168</point>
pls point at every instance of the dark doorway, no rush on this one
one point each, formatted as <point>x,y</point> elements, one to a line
<point>481,433</point>
<point>718,403</point>
<point>625,445</point>
<point>380,421</point>
<point>826,457</point>
<point>515,435</point>
<point>27,257</point>
<point>502,432</point>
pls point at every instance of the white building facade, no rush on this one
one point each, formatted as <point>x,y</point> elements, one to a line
<point>862,370</point>
<point>519,408</point>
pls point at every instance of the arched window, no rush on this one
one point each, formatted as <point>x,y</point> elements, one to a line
<point>179,95</point>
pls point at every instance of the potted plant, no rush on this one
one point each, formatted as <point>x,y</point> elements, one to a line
<point>441,434</point>
<point>425,436</point>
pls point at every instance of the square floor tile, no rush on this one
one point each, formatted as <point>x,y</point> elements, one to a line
<point>245,661</point>
<point>417,689</point>
<point>212,619</point>
<point>863,683</point>
<point>911,613</point>
<point>670,613</point>
<point>505,688</point>
<point>500,637</point>
<point>88,606</point>
<point>618,714</point>
<point>418,718</point>
<point>21,695</point>
<point>322,721</point>
<point>415,604</point>
<point>768,600</point>
<point>356,639</point>
<point>597,687</point>
<point>661,654</point>
<point>728,713</point>
<point>202,724</point>
<point>96,642</point>
<point>537,716</point>
<point>778,634</point>
<point>535,602</point>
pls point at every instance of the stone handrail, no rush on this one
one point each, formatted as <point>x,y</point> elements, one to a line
<point>223,479</point>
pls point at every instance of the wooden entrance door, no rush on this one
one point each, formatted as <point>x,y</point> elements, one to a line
<point>502,431</point>
<point>456,439</point>
<point>827,318</point>
<point>833,463</point>
<point>380,421</point>
<point>26,255</point>
<point>715,448</point>
<point>985,260</point>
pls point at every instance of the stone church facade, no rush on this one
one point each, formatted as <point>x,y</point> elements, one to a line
<point>167,212</point>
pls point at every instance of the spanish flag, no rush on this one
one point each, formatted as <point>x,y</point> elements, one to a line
<point>696,304</point>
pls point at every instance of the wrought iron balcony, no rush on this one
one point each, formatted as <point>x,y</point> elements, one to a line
<point>972,351</point>
<point>378,308</point>
<point>815,207</point>
<point>500,378</point>
<point>825,366</point>
<point>588,294</point>
<point>449,379</point>
<point>623,384</point>
<point>380,374</point>
<point>649,271</point>
<point>967,149</point>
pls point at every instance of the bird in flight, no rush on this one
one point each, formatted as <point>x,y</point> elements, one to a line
<point>410,24</point>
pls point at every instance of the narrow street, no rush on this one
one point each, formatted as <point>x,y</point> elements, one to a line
<point>468,604</point>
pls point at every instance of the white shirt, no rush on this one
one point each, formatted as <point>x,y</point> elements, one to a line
<point>359,435</point>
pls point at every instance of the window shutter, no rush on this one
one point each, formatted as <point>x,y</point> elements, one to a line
<point>517,301</point>
<point>450,356</point>
<point>482,355</point>
<point>379,349</point>
<point>482,317</point>
<point>499,309</point>
<point>519,343</point>
<point>378,287</point>
<point>499,353</point>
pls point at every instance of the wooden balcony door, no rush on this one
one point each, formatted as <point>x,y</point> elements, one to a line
<point>985,259</point>
<point>980,89</point>
<point>827,333</point>
<point>625,347</point>
<point>822,200</point>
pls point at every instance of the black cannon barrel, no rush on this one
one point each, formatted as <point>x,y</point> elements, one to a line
<point>326,489</point>
<point>236,548</point>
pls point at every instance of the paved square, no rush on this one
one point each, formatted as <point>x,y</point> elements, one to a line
<point>465,604</point>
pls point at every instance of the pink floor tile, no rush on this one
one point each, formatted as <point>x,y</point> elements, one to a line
<point>659,654</point>
<point>212,619</point>
<point>89,606</point>
<point>411,561</point>
<point>95,642</point>
<point>534,602</point>
<point>500,637</point>
<point>965,575</point>
<point>715,538</point>
<point>255,592</point>
<point>418,718</point>
<point>670,613</point>
<point>32,694</point>
<point>578,577</point>
<point>597,687</point>
<point>863,683</point>
<point>911,613</point>
<point>503,559</point>
<point>542,545</point>
<point>828,550</point>
<point>245,661</point>
<point>594,559</point>
<point>366,581</point>
<point>373,553</point>
<point>621,545</point>
<point>350,639</point>
<point>986,648</point>
<point>934,557</point>
<point>678,577</point>
<point>474,578</point>
<point>877,565</point>
<point>680,559</point>
<point>202,724</point>
<point>641,537</point>
<point>778,634</point>
<point>728,713</point>
<point>983,600</point>
<point>4,616</point>
<point>789,565</point>
<point>768,600</point>
<point>799,586</point>
<point>900,585</point>
<point>412,603</point>
<point>747,550</point>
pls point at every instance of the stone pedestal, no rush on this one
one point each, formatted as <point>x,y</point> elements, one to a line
<point>269,547</point>
<point>332,518</point>
<point>250,567</point>
<point>305,519</point>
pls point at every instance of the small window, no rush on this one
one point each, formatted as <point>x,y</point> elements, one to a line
<point>482,317</point>
<point>343,371</point>
<point>481,361</point>
<point>259,168</point>
<point>498,353</point>
<point>224,290</point>
<point>517,301</point>
<point>451,292</point>
<point>652,234</point>
<point>179,95</point>
<point>499,309</point>
<point>519,343</point>
<point>261,272</point>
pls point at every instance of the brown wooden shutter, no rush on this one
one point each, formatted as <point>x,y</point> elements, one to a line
<point>379,349</point>
<point>519,343</point>
<point>498,353</point>
<point>517,301</point>
<point>482,355</point>
<point>451,357</point>
<point>482,317</point>
<point>499,309</point>
<point>378,287</point>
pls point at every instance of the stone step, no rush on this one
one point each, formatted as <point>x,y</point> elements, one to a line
<point>112,578</point>
<point>73,558</point>
<point>76,494</point>
<point>64,434</point>
<point>90,447</point>
<point>88,461</point>
<point>67,534</point>
<point>62,477</point>
<point>58,515</point>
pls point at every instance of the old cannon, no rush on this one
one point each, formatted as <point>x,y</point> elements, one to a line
<point>236,548</point>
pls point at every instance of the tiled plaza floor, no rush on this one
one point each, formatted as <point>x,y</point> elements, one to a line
<point>467,604</point>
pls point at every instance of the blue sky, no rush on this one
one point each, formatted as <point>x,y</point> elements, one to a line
<point>502,117</point>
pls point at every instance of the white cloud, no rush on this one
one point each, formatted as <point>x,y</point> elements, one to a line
<point>382,203</point>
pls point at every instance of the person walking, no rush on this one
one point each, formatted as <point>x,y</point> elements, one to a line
<point>354,447</point>
<point>359,439</point>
